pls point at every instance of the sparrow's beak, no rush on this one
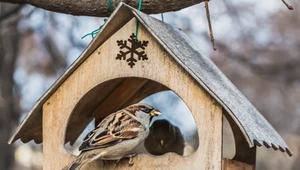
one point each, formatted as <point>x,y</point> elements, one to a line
<point>162,142</point>
<point>155,113</point>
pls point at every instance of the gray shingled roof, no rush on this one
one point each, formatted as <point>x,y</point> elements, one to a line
<point>254,126</point>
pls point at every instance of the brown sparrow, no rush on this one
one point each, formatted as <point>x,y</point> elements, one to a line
<point>164,137</point>
<point>116,136</point>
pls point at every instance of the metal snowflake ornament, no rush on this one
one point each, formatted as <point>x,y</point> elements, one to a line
<point>134,52</point>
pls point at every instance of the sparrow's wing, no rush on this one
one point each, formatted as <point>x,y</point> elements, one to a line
<point>112,130</point>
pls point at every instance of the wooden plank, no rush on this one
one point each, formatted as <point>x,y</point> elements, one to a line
<point>119,97</point>
<point>97,94</point>
<point>54,125</point>
<point>229,164</point>
<point>102,66</point>
<point>148,89</point>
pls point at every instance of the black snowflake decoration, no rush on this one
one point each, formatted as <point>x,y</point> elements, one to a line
<point>137,49</point>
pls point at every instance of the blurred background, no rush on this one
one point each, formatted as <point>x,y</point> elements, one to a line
<point>258,49</point>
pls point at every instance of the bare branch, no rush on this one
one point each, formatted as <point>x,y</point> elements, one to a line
<point>100,8</point>
<point>287,72</point>
<point>209,25</point>
<point>287,5</point>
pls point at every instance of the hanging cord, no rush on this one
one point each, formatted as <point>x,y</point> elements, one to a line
<point>110,5</point>
<point>95,32</point>
<point>137,21</point>
<point>209,25</point>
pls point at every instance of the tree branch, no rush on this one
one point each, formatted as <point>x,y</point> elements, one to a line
<point>100,8</point>
<point>287,72</point>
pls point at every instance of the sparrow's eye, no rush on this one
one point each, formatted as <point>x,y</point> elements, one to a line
<point>147,110</point>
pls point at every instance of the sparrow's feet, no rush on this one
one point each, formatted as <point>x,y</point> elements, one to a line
<point>130,156</point>
<point>130,162</point>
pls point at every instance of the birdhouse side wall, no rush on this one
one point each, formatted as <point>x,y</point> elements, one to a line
<point>160,67</point>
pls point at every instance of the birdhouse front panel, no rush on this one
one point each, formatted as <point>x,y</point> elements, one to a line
<point>122,57</point>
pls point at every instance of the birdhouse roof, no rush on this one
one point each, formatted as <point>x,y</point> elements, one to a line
<point>256,129</point>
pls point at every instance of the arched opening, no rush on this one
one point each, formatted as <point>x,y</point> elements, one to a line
<point>115,94</point>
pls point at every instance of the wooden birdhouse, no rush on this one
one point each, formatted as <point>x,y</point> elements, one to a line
<point>118,69</point>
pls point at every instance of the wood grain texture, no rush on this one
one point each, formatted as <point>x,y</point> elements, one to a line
<point>100,67</point>
<point>236,165</point>
<point>82,112</point>
<point>148,89</point>
<point>119,97</point>
<point>100,8</point>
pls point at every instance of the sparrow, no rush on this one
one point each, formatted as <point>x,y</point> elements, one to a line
<point>116,136</point>
<point>164,137</point>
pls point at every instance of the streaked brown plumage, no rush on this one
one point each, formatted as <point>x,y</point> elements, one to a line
<point>116,136</point>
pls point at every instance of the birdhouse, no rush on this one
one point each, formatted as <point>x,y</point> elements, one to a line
<point>120,68</point>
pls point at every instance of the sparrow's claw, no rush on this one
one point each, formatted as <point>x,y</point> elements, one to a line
<point>130,162</point>
<point>130,156</point>
<point>118,160</point>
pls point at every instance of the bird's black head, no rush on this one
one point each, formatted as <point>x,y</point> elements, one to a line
<point>164,137</point>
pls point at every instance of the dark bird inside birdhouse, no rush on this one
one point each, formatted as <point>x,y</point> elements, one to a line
<point>164,137</point>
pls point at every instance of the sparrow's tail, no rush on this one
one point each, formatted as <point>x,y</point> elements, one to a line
<point>80,162</point>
